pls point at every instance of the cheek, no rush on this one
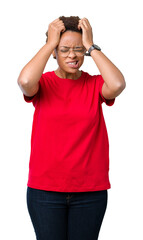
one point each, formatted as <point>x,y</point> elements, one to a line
<point>81,61</point>
<point>59,60</point>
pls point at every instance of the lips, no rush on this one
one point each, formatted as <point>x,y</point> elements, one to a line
<point>73,64</point>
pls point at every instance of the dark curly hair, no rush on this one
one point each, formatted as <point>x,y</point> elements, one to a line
<point>71,23</point>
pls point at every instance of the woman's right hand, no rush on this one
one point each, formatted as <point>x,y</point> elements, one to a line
<point>54,30</point>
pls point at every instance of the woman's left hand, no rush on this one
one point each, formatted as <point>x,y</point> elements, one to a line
<point>87,35</point>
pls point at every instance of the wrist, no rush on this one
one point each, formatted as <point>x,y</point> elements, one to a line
<point>93,47</point>
<point>87,46</point>
<point>50,46</point>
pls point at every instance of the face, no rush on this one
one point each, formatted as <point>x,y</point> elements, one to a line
<point>72,40</point>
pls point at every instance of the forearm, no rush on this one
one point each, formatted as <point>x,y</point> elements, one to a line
<point>31,73</point>
<point>114,79</point>
<point>110,73</point>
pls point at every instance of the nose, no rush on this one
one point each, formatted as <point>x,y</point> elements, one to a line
<point>71,53</point>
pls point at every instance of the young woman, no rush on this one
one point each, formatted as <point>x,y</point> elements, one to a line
<point>69,160</point>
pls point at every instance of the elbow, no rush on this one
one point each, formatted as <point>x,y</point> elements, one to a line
<point>120,86</point>
<point>21,81</point>
<point>119,82</point>
<point>117,86</point>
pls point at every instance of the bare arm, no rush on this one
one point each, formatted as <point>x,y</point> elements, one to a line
<point>114,82</point>
<point>29,77</point>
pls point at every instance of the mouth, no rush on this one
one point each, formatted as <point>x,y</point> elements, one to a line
<point>73,64</point>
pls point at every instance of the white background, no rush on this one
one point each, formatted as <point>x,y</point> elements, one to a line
<point>117,29</point>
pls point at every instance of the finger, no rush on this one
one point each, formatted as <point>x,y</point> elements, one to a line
<point>61,26</point>
<point>63,30</point>
<point>83,25</point>
<point>56,23</point>
<point>60,21</point>
<point>56,20</point>
<point>79,26</point>
<point>85,22</point>
<point>85,19</point>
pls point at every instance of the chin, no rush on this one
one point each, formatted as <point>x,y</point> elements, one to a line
<point>71,70</point>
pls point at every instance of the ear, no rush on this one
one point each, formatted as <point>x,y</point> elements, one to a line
<point>54,54</point>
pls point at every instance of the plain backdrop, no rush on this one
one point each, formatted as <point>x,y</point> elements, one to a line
<point>117,29</point>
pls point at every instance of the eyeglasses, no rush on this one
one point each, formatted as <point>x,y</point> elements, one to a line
<point>78,51</point>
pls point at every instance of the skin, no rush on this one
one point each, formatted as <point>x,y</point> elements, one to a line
<point>114,82</point>
<point>28,80</point>
<point>69,39</point>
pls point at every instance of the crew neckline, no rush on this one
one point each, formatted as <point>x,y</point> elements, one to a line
<point>68,79</point>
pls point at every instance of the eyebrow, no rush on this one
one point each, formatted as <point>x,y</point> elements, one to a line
<point>69,47</point>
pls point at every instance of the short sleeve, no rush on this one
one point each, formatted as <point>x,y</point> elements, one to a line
<point>35,97</point>
<point>108,102</point>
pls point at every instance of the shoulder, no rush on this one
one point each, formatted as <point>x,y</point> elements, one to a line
<point>96,78</point>
<point>46,78</point>
<point>47,74</point>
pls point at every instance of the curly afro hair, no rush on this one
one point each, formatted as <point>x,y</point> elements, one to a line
<point>71,24</point>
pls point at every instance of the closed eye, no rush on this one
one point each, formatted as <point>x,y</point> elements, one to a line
<point>76,49</point>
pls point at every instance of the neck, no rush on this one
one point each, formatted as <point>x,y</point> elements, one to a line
<point>62,74</point>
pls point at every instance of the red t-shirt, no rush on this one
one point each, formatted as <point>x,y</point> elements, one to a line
<point>69,140</point>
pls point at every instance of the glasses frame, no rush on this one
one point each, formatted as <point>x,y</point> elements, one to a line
<point>84,54</point>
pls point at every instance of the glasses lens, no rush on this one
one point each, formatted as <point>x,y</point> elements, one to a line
<point>78,51</point>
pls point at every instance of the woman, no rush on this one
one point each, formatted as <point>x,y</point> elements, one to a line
<point>69,160</point>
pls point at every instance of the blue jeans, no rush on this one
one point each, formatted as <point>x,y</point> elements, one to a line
<point>66,215</point>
